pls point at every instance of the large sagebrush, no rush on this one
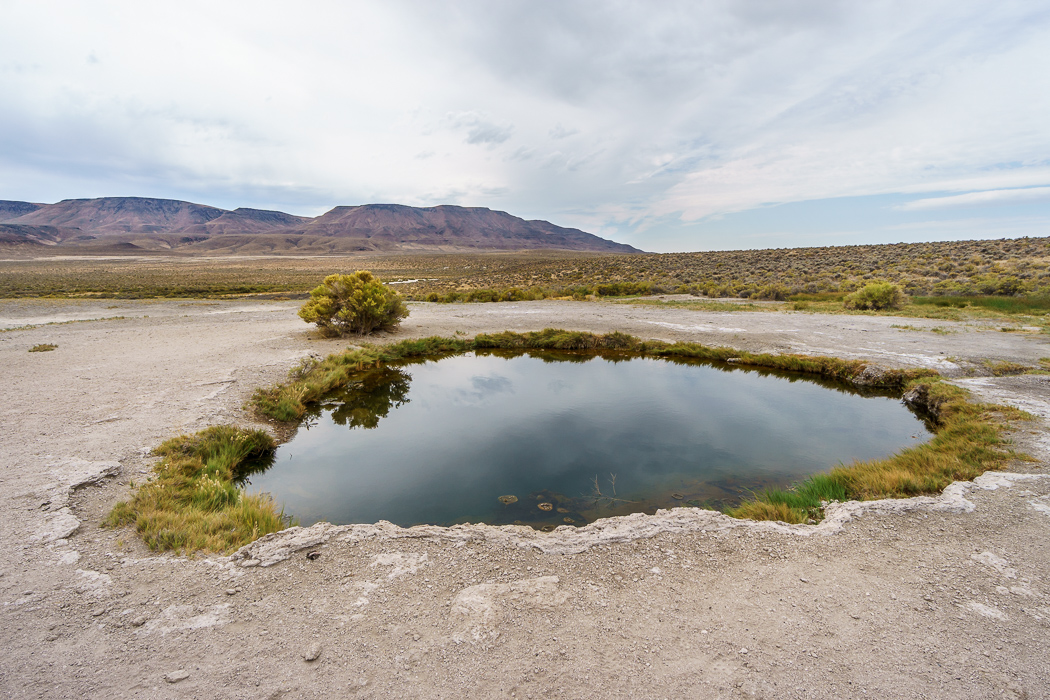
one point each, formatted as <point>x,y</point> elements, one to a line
<point>876,296</point>
<point>357,303</point>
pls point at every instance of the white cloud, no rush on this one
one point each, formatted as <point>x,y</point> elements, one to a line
<point>988,197</point>
<point>560,132</point>
<point>610,115</point>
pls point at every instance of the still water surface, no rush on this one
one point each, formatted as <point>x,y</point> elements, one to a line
<point>572,438</point>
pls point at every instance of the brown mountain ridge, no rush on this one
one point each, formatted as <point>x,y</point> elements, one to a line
<point>139,224</point>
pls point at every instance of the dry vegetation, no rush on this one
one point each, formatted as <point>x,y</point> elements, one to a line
<point>993,267</point>
<point>194,502</point>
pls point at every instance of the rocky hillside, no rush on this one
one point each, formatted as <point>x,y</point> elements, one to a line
<point>137,224</point>
<point>11,210</point>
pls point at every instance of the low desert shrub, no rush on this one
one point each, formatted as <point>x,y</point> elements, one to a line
<point>356,303</point>
<point>876,296</point>
<point>771,292</point>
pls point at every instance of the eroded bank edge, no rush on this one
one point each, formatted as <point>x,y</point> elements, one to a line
<point>276,547</point>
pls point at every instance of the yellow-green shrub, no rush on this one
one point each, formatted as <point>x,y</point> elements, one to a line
<point>356,303</point>
<point>875,296</point>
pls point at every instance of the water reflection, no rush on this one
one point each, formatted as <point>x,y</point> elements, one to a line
<point>564,438</point>
<point>368,399</point>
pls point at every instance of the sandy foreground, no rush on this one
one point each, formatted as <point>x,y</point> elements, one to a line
<point>945,597</point>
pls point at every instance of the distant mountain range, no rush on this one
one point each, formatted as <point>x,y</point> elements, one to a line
<point>137,224</point>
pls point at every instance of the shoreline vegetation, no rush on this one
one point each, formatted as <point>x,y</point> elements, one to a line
<point>193,501</point>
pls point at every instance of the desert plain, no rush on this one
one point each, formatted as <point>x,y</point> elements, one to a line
<point>946,596</point>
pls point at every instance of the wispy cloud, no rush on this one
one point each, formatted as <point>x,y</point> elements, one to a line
<point>479,129</point>
<point>689,111</point>
<point>987,198</point>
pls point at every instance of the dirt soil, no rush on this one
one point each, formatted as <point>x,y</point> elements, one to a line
<point>937,597</point>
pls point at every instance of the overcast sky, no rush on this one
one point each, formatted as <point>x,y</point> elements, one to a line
<point>668,125</point>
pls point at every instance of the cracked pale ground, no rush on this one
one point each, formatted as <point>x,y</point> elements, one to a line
<point>945,597</point>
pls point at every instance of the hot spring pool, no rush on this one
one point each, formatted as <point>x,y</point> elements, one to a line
<point>548,439</point>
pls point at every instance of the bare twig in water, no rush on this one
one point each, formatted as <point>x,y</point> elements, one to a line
<point>598,495</point>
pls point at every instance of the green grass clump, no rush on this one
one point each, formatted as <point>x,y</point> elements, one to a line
<point>193,503</point>
<point>556,339</point>
<point>1035,304</point>
<point>968,442</point>
<point>287,402</point>
<point>43,347</point>
<point>797,505</point>
<point>729,306</point>
<point>1003,368</point>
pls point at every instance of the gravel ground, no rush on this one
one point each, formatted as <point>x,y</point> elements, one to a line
<point>941,597</point>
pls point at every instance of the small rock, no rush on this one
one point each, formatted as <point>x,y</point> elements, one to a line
<point>231,591</point>
<point>313,652</point>
<point>139,621</point>
<point>744,650</point>
<point>803,579</point>
<point>313,556</point>
<point>176,676</point>
<point>98,613</point>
